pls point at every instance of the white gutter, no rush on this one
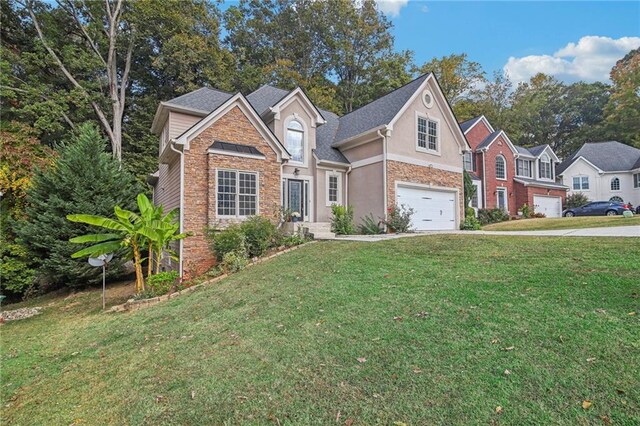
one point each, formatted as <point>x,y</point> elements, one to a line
<point>181,261</point>
<point>346,186</point>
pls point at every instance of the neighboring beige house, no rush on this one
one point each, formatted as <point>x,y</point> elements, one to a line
<point>224,157</point>
<point>604,171</point>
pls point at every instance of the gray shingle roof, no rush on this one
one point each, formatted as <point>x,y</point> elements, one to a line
<point>376,113</point>
<point>608,156</point>
<point>488,139</point>
<point>524,151</point>
<point>265,97</point>
<point>465,125</point>
<point>203,99</point>
<point>325,135</point>
<point>533,151</point>
<point>541,183</point>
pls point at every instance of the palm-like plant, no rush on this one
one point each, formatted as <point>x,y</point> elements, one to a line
<point>132,232</point>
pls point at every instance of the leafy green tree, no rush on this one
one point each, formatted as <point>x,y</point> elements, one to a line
<point>623,107</point>
<point>83,178</point>
<point>131,233</point>
<point>457,75</point>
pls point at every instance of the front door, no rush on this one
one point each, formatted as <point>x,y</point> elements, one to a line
<point>502,199</point>
<point>296,197</point>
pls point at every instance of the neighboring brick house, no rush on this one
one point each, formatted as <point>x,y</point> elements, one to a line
<point>508,176</point>
<point>224,157</point>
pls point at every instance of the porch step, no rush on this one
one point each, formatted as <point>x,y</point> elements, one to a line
<point>323,235</point>
<point>311,227</point>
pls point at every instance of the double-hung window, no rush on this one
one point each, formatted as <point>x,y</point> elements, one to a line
<point>580,183</point>
<point>523,168</point>
<point>545,167</point>
<point>427,134</point>
<point>237,193</point>
<point>615,184</point>
<point>636,180</point>
<point>467,159</point>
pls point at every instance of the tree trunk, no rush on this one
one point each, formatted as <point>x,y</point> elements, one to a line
<point>137,261</point>
<point>150,260</point>
<point>158,259</point>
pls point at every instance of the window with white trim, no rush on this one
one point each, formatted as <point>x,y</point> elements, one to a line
<point>467,160</point>
<point>523,168</point>
<point>501,167</point>
<point>295,141</point>
<point>636,180</point>
<point>333,189</point>
<point>545,167</point>
<point>427,134</point>
<point>615,184</point>
<point>237,193</point>
<point>580,183</point>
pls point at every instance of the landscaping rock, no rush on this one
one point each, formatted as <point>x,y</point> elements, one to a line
<point>18,314</point>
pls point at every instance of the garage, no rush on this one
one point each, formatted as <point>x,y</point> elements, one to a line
<point>434,210</point>
<point>550,206</point>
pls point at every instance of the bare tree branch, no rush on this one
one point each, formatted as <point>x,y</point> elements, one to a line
<point>71,10</point>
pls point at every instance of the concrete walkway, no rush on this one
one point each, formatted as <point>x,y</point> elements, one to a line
<point>613,231</point>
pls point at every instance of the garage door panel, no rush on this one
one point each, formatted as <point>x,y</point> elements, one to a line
<point>550,206</point>
<point>434,210</point>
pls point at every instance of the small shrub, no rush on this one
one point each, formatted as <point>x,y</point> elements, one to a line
<point>223,241</point>
<point>399,218</point>
<point>526,211</point>
<point>370,226</point>
<point>576,199</point>
<point>234,261</point>
<point>487,216</point>
<point>259,235</point>
<point>470,224</point>
<point>470,212</point>
<point>342,219</point>
<point>162,283</point>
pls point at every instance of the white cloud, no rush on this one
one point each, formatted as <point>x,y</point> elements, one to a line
<point>591,59</point>
<point>391,7</point>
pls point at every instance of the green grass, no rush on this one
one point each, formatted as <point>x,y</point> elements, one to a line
<point>563,223</point>
<point>279,343</point>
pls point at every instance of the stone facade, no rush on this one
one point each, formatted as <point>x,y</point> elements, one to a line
<point>405,172</point>
<point>200,177</point>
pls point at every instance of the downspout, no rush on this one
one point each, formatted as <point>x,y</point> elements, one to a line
<point>384,172</point>
<point>484,180</point>
<point>346,186</point>
<point>181,261</point>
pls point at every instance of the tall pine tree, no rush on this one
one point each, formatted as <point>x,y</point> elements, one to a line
<point>84,179</point>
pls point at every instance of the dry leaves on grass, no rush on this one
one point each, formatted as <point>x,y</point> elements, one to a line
<point>362,360</point>
<point>499,409</point>
<point>510,348</point>
<point>586,404</point>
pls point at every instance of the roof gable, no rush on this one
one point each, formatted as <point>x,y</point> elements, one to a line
<point>238,100</point>
<point>466,126</point>
<point>265,97</point>
<point>486,143</point>
<point>610,156</point>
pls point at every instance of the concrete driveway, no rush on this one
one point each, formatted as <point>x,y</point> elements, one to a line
<point>613,231</point>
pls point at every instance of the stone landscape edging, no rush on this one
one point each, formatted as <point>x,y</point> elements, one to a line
<point>135,305</point>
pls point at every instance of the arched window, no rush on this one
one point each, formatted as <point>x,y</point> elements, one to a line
<point>295,141</point>
<point>501,167</point>
<point>545,167</point>
<point>615,199</point>
<point>615,184</point>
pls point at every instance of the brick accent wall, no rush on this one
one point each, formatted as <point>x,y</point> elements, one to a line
<point>500,147</point>
<point>477,134</point>
<point>200,182</point>
<point>405,172</point>
<point>524,194</point>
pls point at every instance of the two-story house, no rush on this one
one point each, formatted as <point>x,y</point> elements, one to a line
<point>509,176</point>
<point>604,171</point>
<point>226,156</point>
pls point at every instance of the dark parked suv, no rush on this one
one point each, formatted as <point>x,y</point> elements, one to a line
<point>597,208</point>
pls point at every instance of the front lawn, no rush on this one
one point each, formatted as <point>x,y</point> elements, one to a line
<point>426,330</point>
<point>563,223</point>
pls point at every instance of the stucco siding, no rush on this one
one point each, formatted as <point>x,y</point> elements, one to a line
<point>366,191</point>
<point>600,184</point>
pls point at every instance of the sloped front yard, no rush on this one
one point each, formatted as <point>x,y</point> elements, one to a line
<point>563,223</point>
<point>425,330</point>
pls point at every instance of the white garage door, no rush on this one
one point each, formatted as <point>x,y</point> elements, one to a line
<point>434,210</point>
<point>550,206</point>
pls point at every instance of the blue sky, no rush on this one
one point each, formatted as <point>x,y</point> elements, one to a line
<point>537,35</point>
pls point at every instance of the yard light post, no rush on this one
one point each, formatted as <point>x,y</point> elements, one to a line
<point>102,260</point>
